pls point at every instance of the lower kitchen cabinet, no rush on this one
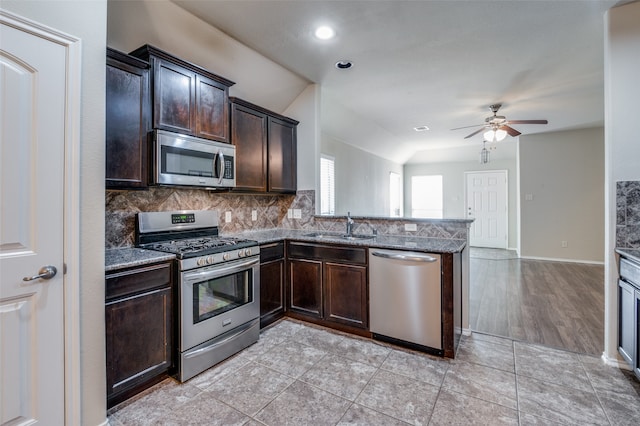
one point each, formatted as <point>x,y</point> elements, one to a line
<point>328,285</point>
<point>271,283</point>
<point>629,313</point>
<point>139,329</point>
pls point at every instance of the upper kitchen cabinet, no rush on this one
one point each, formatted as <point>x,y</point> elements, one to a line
<point>266,155</point>
<point>187,98</point>
<point>127,121</point>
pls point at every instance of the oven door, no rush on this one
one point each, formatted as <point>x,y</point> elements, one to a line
<point>217,299</point>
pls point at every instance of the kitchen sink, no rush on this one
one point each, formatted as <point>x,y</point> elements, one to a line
<point>329,236</point>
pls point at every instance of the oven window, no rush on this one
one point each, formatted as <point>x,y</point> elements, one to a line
<point>213,297</point>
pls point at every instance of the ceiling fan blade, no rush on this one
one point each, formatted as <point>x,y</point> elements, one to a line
<point>466,127</point>
<point>510,130</point>
<point>528,122</point>
<point>474,133</point>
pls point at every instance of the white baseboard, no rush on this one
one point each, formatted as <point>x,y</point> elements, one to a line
<point>553,259</point>
<point>615,362</point>
<point>466,332</point>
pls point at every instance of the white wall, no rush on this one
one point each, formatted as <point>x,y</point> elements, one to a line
<point>91,29</point>
<point>362,179</point>
<point>564,174</point>
<point>453,181</point>
<point>306,108</point>
<point>622,149</point>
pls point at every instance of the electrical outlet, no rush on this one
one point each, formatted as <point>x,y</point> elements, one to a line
<point>290,214</point>
<point>410,227</point>
<point>254,215</point>
<point>297,214</point>
<point>227,217</point>
<point>564,244</point>
<point>528,197</point>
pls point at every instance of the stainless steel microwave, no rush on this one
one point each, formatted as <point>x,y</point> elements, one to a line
<point>189,161</point>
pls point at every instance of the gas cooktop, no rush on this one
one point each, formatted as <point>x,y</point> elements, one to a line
<point>199,246</point>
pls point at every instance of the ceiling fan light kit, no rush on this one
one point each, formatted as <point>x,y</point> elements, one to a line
<point>497,127</point>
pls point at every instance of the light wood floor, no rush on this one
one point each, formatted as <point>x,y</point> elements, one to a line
<point>555,304</point>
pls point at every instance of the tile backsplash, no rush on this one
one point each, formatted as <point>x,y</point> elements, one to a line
<point>628,214</point>
<point>271,212</point>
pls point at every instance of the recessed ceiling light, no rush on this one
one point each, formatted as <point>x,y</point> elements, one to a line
<point>344,64</point>
<point>421,128</point>
<point>324,32</point>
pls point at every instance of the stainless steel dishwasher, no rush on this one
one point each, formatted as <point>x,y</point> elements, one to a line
<point>405,297</point>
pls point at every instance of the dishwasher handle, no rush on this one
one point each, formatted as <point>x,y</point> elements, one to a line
<point>409,257</point>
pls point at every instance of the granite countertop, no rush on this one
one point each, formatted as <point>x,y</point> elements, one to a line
<point>119,258</point>
<point>424,244</point>
<point>130,256</point>
<point>632,254</point>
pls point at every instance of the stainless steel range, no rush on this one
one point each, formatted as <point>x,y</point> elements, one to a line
<point>219,285</point>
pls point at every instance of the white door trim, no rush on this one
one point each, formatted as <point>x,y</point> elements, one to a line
<point>71,232</point>
<point>506,197</point>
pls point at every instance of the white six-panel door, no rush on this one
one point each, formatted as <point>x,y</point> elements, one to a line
<point>33,88</point>
<point>486,202</point>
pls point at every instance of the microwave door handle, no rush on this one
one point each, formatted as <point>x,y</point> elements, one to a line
<point>222,167</point>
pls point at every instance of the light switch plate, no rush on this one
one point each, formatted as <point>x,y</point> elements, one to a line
<point>410,227</point>
<point>290,214</point>
<point>227,217</point>
<point>297,214</point>
<point>254,215</point>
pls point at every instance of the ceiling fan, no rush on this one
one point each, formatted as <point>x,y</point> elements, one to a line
<point>499,125</point>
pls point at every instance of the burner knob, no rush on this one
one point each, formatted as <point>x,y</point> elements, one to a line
<point>226,256</point>
<point>202,261</point>
<point>210,260</point>
<point>240,253</point>
<point>247,252</point>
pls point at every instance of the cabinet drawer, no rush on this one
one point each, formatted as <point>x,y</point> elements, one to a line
<point>327,253</point>
<point>630,272</point>
<point>273,251</point>
<point>137,280</point>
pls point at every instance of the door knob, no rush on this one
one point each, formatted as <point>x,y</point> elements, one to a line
<point>45,273</point>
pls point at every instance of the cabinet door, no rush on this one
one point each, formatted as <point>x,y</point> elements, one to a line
<point>138,340</point>
<point>626,325</point>
<point>212,109</point>
<point>249,135</point>
<point>173,97</point>
<point>127,123</point>
<point>345,289</point>
<point>305,278</point>
<point>283,170</point>
<point>636,357</point>
<point>271,291</point>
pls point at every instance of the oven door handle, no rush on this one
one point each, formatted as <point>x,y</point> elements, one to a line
<point>220,271</point>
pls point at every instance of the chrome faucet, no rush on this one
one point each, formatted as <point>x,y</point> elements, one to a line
<point>350,223</point>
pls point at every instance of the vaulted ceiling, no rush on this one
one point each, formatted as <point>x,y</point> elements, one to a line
<point>434,63</point>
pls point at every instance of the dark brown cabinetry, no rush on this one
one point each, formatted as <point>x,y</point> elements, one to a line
<point>139,330</point>
<point>127,121</point>
<point>271,282</point>
<point>186,98</point>
<point>328,284</point>
<point>266,154</point>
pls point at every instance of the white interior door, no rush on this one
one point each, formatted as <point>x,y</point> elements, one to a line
<point>33,84</point>
<point>487,204</point>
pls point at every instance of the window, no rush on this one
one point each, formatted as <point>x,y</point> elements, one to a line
<point>395,191</point>
<point>327,185</point>
<point>426,197</point>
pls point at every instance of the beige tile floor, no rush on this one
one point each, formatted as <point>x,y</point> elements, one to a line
<point>299,374</point>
